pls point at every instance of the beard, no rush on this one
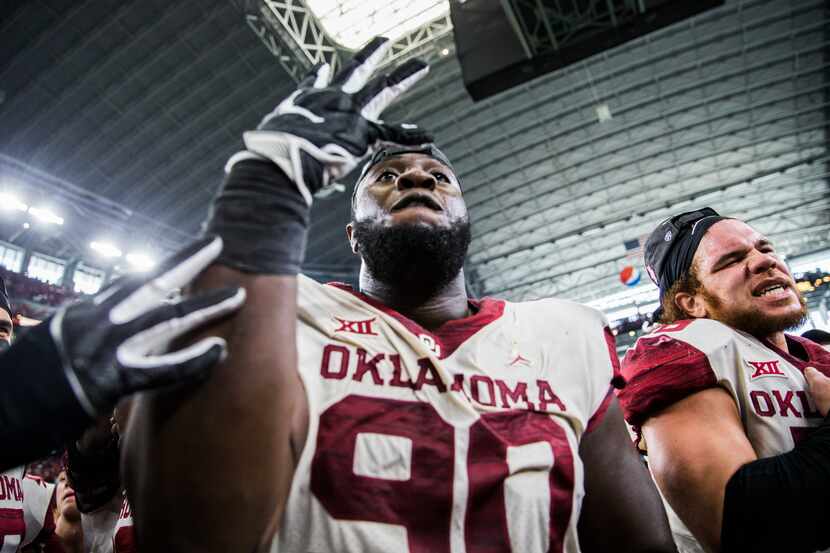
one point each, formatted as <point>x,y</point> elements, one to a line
<point>753,321</point>
<point>416,259</point>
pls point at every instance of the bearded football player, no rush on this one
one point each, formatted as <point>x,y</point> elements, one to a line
<point>729,407</point>
<point>403,416</point>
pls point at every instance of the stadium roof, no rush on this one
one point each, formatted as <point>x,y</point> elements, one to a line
<point>353,23</point>
<point>122,114</point>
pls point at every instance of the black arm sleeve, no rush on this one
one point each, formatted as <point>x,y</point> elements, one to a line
<point>94,475</point>
<point>262,219</point>
<point>38,409</point>
<point>780,503</point>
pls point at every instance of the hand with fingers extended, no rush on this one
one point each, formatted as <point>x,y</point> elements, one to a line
<point>320,132</point>
<point>114,344</point>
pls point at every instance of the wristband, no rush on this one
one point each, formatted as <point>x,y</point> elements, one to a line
<point>262,219</point>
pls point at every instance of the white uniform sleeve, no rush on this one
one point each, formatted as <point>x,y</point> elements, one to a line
<point>38,502</point>
<point>99,526</point>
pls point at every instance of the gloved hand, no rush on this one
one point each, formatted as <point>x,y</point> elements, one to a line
<point>113,344</point>
<point>320,132</point>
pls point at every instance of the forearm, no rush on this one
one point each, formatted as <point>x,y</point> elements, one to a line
<point>779,503</point>
<point>616,479</point>
<point>38,409</point>
<point>94,474</point>
<point>210,470</point>
<point>219,457</point>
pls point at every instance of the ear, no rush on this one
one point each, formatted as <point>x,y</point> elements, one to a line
<point>692,304</point>
<point>351,237</point>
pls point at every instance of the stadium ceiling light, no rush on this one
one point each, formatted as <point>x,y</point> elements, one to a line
<point>105,249</point>
<point>45,215</point>
<point>10,202</point>
<point>140,261</point>
<point>353,23</point>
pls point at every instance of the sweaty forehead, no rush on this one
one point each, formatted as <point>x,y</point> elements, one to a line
<point>724,237</point>
<point>406,160</point>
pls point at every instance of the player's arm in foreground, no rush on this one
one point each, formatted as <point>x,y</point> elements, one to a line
<point>211,470</point>
<point>61,374</point>
<point>730,500</point>
<point>622,511</point>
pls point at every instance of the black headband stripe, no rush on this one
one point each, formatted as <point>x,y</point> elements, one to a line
<point>682,255</point>
<point>671,247</point>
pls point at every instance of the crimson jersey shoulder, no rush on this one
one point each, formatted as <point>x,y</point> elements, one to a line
<point>676,341</point>
<point>669,364</point>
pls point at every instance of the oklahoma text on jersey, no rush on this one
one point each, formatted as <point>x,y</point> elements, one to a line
<point>26,504</point>
<point>386,369</point>
<point>460,439</point>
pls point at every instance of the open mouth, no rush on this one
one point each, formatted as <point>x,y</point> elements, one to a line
<point>770,288</point>
<point>416,200</point>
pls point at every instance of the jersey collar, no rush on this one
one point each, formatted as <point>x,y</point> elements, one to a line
<point>450,335</point>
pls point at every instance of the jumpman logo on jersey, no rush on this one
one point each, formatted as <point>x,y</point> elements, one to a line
<point>519,360</point>
<point>356,327</point>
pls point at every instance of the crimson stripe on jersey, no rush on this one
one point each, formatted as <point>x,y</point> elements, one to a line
<point>611,344</point>
<point>449,335</point>
<point>124,540</point>
<point>660,371</point>
<point>818,357</point>
<point>599,414</point>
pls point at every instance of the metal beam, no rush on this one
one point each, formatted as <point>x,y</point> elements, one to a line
<point>292,33</point>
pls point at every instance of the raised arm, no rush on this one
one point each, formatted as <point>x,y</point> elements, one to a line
<point>209,470</point>
<point>622,510</point>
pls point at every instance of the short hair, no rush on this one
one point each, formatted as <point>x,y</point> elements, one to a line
<point>688,283</point>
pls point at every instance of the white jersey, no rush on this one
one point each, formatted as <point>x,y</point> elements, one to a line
<point>26,504</point>
<point>461,440</point>
<point>767,384</point>
<point>100,525</point>
<point>123,539</point>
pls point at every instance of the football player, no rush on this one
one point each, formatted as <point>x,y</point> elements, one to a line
<point>61,374</point>
<point>730,409</point>
<point>25,514</point>
<point>68,528</point>
<point>79,362</point>
<point>404,416</point>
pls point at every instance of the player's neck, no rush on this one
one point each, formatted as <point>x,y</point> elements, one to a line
<point>778,340</point>
<point>428,309</point>
<point>70,534</point>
